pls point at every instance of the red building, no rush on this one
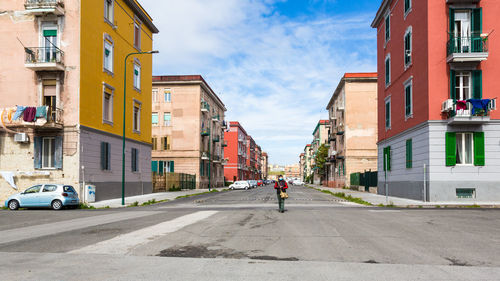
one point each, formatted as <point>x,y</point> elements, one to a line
<point>235,152</point>
<point>438,128</point>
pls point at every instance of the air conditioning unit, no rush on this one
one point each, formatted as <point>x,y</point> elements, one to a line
<point>21,137</point>
<point>447,105</point>
<point>493,104</point>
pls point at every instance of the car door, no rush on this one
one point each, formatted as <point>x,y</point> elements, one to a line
<point>48,194</point>
<point>31,196</point>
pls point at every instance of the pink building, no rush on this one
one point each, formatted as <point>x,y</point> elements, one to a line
<point>438,128</point>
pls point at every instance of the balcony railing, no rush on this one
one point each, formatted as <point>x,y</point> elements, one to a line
<point>205,132</point>
<point>215,118</point>
<point>54,119</point>
<point>216,139</point>
<point>205,107</point>
<point>205,156</point>
<point>45,6</point>
<point>216,158</point>
<point>465,112</point>
<point>473,48</point>
<point>44,58</point>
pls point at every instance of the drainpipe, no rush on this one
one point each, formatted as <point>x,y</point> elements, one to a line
<point>209,154</point>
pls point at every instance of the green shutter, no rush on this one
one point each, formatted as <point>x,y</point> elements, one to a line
<point>409,152</point>
<point>136,72</point>
<point>103,156</point>
<point>452,85</point>
<point>106,52</point>
<point>50,33</point>
<point>477,21</point>
<point>451,148</point>
<point>477,84</point>
<point>162,163</point>
<point>479,149</point>
<point>408,100</point>
<point>154,166</point>
<point>388,158</point>
<point>387,70</point>
<point>452,22</point>
<point>171,166</point>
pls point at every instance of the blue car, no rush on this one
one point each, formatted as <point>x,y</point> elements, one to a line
<point>55,196</point>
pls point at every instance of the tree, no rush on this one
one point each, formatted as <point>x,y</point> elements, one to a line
<point>320,160</point>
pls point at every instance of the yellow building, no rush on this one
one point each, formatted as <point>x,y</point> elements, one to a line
<point>72,63</point>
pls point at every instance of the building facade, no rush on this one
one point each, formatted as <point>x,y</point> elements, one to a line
<point>188,129</point>
<point>353,128</point>
<point>69,67</point>
<point>302,163</point>
<point>236,152</point>
<point>320,137</point>
<point>308,156</point>
<point>438,127</point>
<point>264,166</point>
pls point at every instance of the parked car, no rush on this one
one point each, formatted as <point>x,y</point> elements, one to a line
<point>298,182</point>
<point>253,183</point>
<point>55,196</point>
<point>260,183</point>
<point>240,185</point>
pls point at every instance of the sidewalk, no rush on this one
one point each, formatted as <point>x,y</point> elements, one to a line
<point>376,199</point>
<point>140,199</point>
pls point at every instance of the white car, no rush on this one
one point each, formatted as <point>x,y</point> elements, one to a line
<point>298,182</point>
<point>240,185</point>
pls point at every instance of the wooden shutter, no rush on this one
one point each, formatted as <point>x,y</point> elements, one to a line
<point>452,22</point>
<point>133,159</point>
<point>477,21</point>
<point>108,156</point>
<point>477,84</point>
<point>171,166</point>
<point>388,158</point>
<point>387,70</point>
<point>103,156</point>
<point>154,166</point>
<point>409,153</point>
<point>162,143</point>
<point>38,153</point>
<point>452,85</point>
<point>58,153</point>
<point>479,151</point>
<point>162,164</point>
<point>451,148</point>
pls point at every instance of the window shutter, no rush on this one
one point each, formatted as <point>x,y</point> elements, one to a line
<point>162,163</point>
<point>154,166</point>
<point>387,70</point>
<point>103,155</point>
<point>409,153</point>
<point>162,143</point>
<point>50,33</point>
<point>388,158</point>
<point>452,85</point>
<point>477,22</point>
<point>108,156</point>
<point>451,149</point>
<point>477,84</point>
<point>452,22</point>
<point>136,72</point>
<point>58,154</point>
<point>38,153</point>
<point>171,166</point>
<point>479,151</point>
<point>133,159</point>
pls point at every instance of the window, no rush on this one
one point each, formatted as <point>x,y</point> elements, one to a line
<point>387,158</point>
<point>48,150</point>
<point>154,96</point>
<point>137,34</point>
<point>408,47</point>
<point>388,113</point>
<point>108,55</point>
<point>107,104</point>
<point>135,158</point>
<point>154,143</point>
<point>154,118</point>
<point>408,99</point>
<point>50,52</point>
<point>49,188</point>
<point>167,119</point>
<point>388,70</point>
<point>466,192</point>
<point>136,123</point>
<point>388,26</point>
<point>409,153</point>
<point>105,156</point>
<point>465,149</point>
<point>167,95</point>
<point>462,85</point>
<point>137,75</point>
<point>33,189</point>
<point>407,6</point>
<point>165,143</point>
<point>109,11</point>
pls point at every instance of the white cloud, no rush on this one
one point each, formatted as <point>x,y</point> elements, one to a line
<point>274,74</point>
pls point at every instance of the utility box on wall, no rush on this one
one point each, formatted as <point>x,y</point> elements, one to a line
<point>89,193</point>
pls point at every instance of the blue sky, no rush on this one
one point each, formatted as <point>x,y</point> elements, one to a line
<point>274,63</point>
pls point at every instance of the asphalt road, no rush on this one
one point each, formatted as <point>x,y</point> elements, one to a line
<point>240,235</point>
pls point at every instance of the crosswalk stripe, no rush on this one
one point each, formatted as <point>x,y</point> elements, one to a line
<point>123,244</point>
<point>30,232</point>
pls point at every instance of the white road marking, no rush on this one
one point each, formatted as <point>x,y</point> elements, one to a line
<point>35,231</point>
<point>384,211</point>
<point>123,244</point>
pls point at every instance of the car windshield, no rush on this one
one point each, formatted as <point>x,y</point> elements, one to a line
<point>68,188</point>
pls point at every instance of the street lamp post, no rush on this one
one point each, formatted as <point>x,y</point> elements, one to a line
<point>124,116</point>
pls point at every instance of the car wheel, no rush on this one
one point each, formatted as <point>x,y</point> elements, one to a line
<point>13,205</point>
<point>56,205</point>
<point>246,187</point>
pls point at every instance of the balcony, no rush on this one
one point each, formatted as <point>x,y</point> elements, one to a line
<point>224,161</point>
<point>205,132</point>
<point>205,107</point>
<point>339,133</point>
<point>54,120</point>
<point>44,58</point>
<point>460,113</point>
<point>468,49</point>
<point>43,7</point>
<point>216,158</point>
<point>224,125</point>
<point>216,118</point>
<point>216,139</point>
<point>205,156</point>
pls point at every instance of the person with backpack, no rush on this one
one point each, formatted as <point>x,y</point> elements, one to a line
<point>281,186</point>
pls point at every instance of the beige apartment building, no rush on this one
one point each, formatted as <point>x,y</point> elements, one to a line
<point>353,128</point>
<point>264,166</point>
<point>188,129</point>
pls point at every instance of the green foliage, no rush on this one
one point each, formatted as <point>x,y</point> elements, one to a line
<point>320,159</point>
<point>85,206</point>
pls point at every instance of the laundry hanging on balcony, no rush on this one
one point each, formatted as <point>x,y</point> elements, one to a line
<point>461,105</point>
<point>41,112</point>
<point>29,114</point>
<point>19,111</point>
<point>478,105</point>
